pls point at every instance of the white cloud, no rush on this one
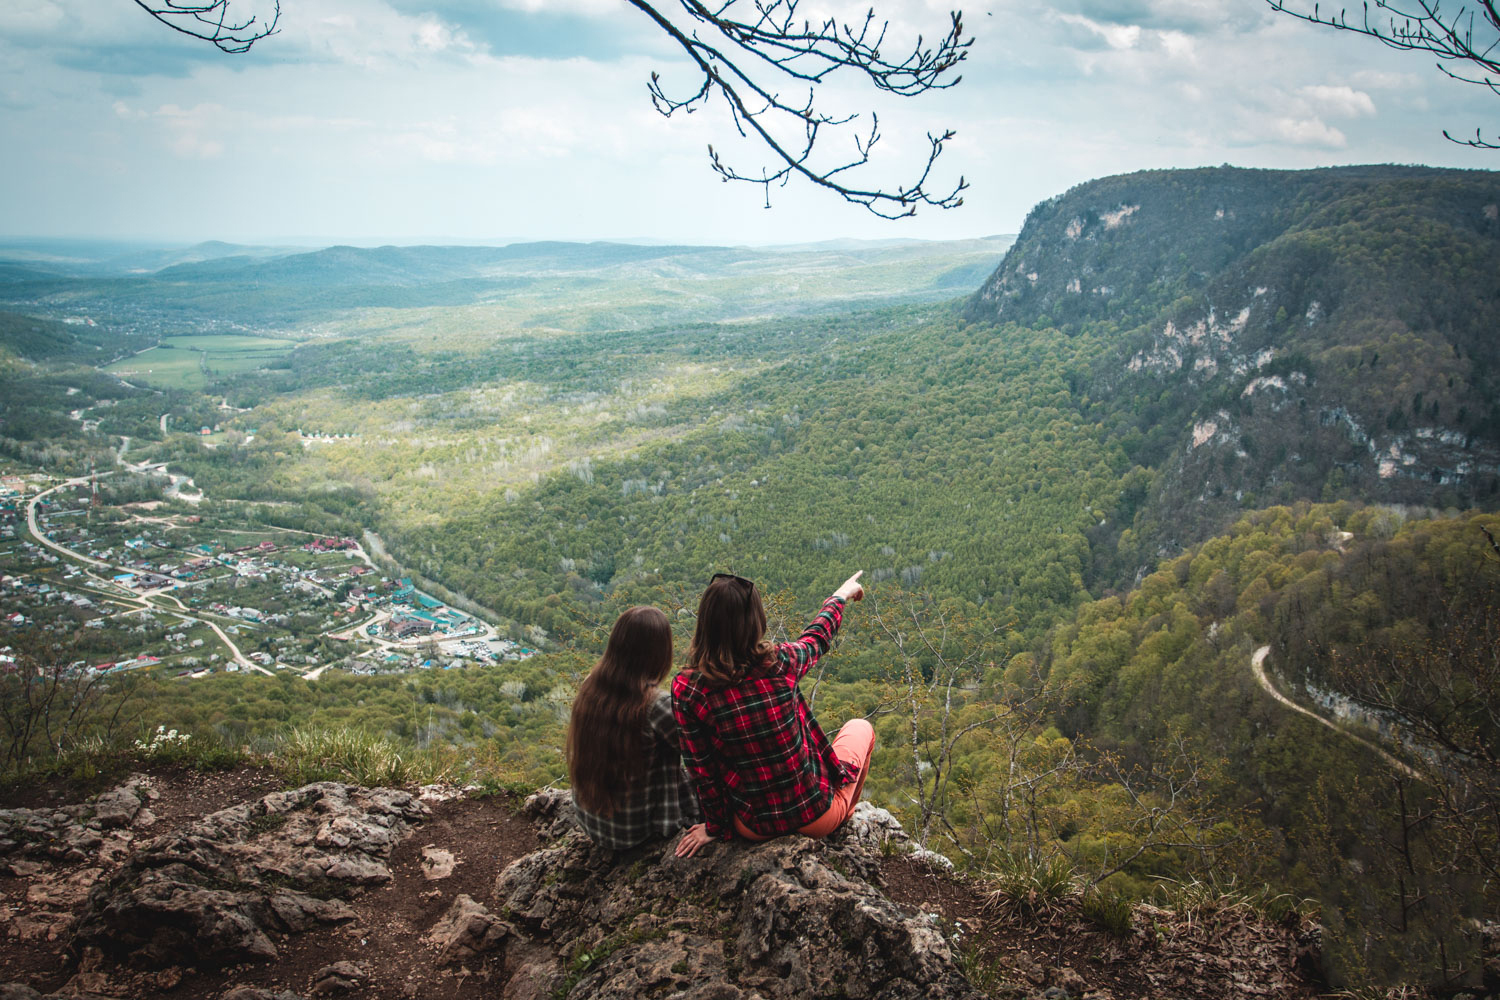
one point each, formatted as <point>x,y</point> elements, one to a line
<point>1343,101</point>
<point>562,6</point>
<point>27,16</point>
<point>190,131</point>
<point>1116,36</point>
<point>365,34</point>
<point>1308,132</point>
<point>1375,79</point>
<point>1179,45</point>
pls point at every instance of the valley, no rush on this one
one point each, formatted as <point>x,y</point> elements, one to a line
<point>1188,421</point>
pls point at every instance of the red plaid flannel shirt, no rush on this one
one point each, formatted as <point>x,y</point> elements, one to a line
<point>753,749</point>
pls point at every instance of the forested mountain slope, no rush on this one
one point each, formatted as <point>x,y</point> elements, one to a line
<point>1387,628</point>
<point>1274,335</point>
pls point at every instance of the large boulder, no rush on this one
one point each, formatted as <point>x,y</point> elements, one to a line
<point>785,919</point>
<point>221,889</point>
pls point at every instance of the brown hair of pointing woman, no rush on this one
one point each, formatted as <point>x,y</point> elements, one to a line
<point>607,732</point>
<point>730,640</point>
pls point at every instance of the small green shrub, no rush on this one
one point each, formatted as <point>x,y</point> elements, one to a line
<point>980,969</point>
<point>195,752</point>
<point>1108,910</point>
<point>1032,885</point>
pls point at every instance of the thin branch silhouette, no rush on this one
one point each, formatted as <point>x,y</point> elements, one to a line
<point>746,61</point>
<point>1463,36</point>
<point>210,20</point>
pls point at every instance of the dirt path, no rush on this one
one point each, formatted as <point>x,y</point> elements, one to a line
<point>1258,668</point>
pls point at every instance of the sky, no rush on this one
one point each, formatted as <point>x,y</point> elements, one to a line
<point>409,121</point>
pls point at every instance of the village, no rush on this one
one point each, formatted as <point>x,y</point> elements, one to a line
<point>191,589</point>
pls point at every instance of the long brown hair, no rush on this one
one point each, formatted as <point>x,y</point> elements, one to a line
<point>606,733</point>
<point>730,640</point>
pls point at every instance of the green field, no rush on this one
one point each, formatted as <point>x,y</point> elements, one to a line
<point>162,368</point>
<point>193,361</point>
<point>230,344</point>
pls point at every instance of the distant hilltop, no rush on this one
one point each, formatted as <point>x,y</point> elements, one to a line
<point>1127,248</point>
<point>1278,335</point>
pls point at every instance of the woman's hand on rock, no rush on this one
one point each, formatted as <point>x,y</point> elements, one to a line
<point>850,589</point>
<point>692,840</point>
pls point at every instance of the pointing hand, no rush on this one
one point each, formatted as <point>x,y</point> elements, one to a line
<point>850,589</point>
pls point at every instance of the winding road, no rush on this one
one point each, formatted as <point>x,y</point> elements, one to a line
<point>1258,668</point>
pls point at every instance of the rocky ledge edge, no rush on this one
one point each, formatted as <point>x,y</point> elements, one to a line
<point>788,918</point>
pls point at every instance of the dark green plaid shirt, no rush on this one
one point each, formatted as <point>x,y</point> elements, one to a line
<point>664,803</point>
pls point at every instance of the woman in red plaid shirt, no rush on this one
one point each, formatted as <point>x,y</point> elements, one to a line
<point>760,763</point>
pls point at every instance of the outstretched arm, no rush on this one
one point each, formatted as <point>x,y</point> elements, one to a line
<point>818,636</point>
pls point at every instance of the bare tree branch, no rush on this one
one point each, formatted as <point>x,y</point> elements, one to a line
<point>210,20</point>
<point>745,60</point>
<point>1463,36</point>
<point>746,52</point>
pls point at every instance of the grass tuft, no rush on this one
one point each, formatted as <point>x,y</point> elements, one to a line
<point>306,755</point>
<point>1032,885</point>
<point>1196,899</point>
<point>1109,910</point>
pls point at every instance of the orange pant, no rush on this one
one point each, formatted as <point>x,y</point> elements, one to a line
<point>853,745</point>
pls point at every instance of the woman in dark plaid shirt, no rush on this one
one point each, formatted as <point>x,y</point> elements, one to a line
<point>760,763</point>
<point>628,781</point>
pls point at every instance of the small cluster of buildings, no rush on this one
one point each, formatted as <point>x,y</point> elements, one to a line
<point>32,594</point>
<point>143,581</point>
<point>415,614</point>
<point>134,663</point>
<point>331,545</point>
<point>148,556</point>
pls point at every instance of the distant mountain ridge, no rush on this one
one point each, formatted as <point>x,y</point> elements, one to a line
<point>418,265</point>
<point>1277,335</point>
<point>39,259</point>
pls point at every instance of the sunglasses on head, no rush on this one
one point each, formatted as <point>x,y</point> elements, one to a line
<point>730,576</point>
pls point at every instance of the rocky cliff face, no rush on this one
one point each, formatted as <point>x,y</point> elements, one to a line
<point>330,890</point>
<point>1277,335</point>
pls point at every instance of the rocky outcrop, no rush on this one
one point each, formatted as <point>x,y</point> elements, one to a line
<point>221,889</point>
<point>470,913</point>
<point>62,852</point>
<point>467,931</point>
<point>788,918</point>
<point>73,832</point>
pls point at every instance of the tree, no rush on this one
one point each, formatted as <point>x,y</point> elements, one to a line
<point>745,52</point>
<point>47,703</point>
<point>1465,36</point>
